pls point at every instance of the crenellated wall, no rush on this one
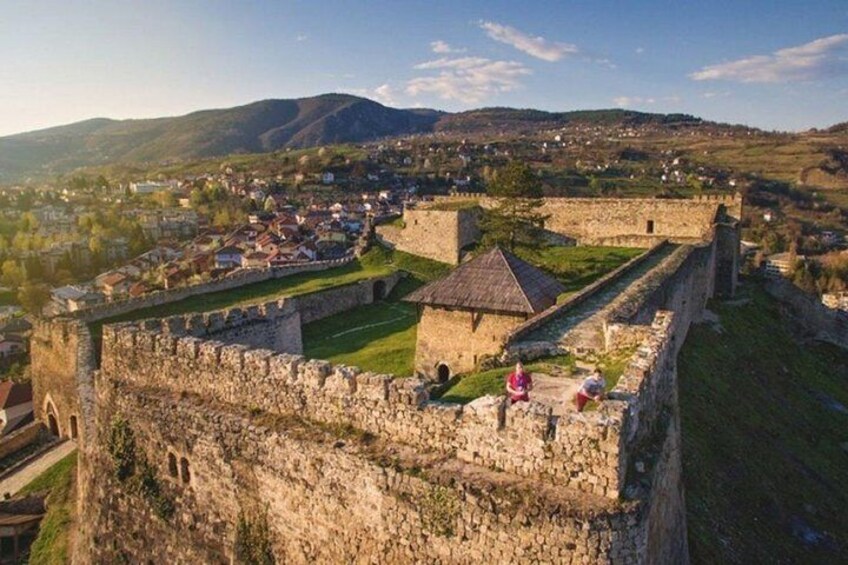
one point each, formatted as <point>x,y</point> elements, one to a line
<point>64,354</point>
<point>421,480</point>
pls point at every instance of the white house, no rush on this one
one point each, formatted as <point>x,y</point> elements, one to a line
<point>149,187</point>
<point>780,264</point>
<point>15,405</point>
<point>10,345</point>
<point>228,257</point>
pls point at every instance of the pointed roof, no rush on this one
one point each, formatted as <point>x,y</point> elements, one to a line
<point>496,281</point>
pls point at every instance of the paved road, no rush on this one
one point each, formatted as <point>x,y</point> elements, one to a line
<point>26,474</point>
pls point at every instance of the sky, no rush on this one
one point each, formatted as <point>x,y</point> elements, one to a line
<point>770,64</point>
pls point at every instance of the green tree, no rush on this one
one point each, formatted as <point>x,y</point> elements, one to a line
<point>12,274</point>
<point>33,297</point>
<point>515,221</point>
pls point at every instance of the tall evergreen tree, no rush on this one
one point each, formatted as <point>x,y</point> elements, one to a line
<point>516,220</point>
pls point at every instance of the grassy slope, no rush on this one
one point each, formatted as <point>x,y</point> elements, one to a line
<point>762,455</point>
<point>577,267</point>
<point>52,544</point>
<point>372,264</point>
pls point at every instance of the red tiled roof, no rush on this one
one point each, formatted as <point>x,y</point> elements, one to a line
<point>14,394</point>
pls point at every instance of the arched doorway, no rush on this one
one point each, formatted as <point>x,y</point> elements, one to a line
<point>443,372</point>
<point>52,420</point>
<point>72,424</point>
<point>379,290</point>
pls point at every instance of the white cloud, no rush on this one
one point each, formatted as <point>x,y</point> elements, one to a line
<point>640,50</point>
<point>467,79</point>
<point>721,94</point>
<point>385,94</point>
<point>631,101</point>
<point>443,48</point>
<point>301,37</point>
<point>538,47</point>
<point>821,58</point>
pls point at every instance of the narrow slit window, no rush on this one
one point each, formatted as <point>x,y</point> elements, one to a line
<point>650,227</point>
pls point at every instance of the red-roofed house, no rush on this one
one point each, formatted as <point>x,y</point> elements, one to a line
<point>15,405</point>
<point>115,284</point>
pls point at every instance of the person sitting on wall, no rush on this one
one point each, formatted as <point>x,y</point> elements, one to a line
<point>591,389</point>
<point>519,384</point>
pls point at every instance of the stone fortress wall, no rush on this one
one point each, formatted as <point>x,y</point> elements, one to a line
<point>65,354</point>
<point>146,366</point>
<point>627,222</point>
<point>349,465</point>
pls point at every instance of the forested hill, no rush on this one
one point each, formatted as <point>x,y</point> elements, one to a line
<point>269,125</point>
<point>262,126</point>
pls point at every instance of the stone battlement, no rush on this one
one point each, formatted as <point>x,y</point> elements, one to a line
<point>586,450</point>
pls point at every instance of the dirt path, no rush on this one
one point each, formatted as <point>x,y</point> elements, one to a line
<point>26,474</point>
<point>556,392</point>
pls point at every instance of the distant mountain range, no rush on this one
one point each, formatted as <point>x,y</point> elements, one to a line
<point>265,126</point>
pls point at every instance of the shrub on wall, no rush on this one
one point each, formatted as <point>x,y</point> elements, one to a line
<point>439,511</point>
<point>122,448</point>
<point>253,540</point>
<point>134,467</point>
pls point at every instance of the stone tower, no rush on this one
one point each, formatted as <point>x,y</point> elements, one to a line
<point>468,314</point>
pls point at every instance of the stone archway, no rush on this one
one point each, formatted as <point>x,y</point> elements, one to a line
<point>443,372</point>
<point>52,419</point>
<point>379,291</point>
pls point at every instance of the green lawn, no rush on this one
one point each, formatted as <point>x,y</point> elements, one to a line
<point>764,440</point>
<point>577,267</point>
<point>381,337</point>
<point>377,337</point>
<point>51,544</point>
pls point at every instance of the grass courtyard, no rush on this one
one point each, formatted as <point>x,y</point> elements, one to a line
<point>381,337</point>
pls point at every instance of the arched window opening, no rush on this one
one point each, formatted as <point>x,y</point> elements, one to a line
<point>72,421</point>
<point>443,373</point>
<point>185,474</point>
<point>172,465</point>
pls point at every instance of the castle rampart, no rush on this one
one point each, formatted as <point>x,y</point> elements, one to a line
<point>64,353</point>
<point>524,439</point>
<point>234,423</point>
<point>151,373</point>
